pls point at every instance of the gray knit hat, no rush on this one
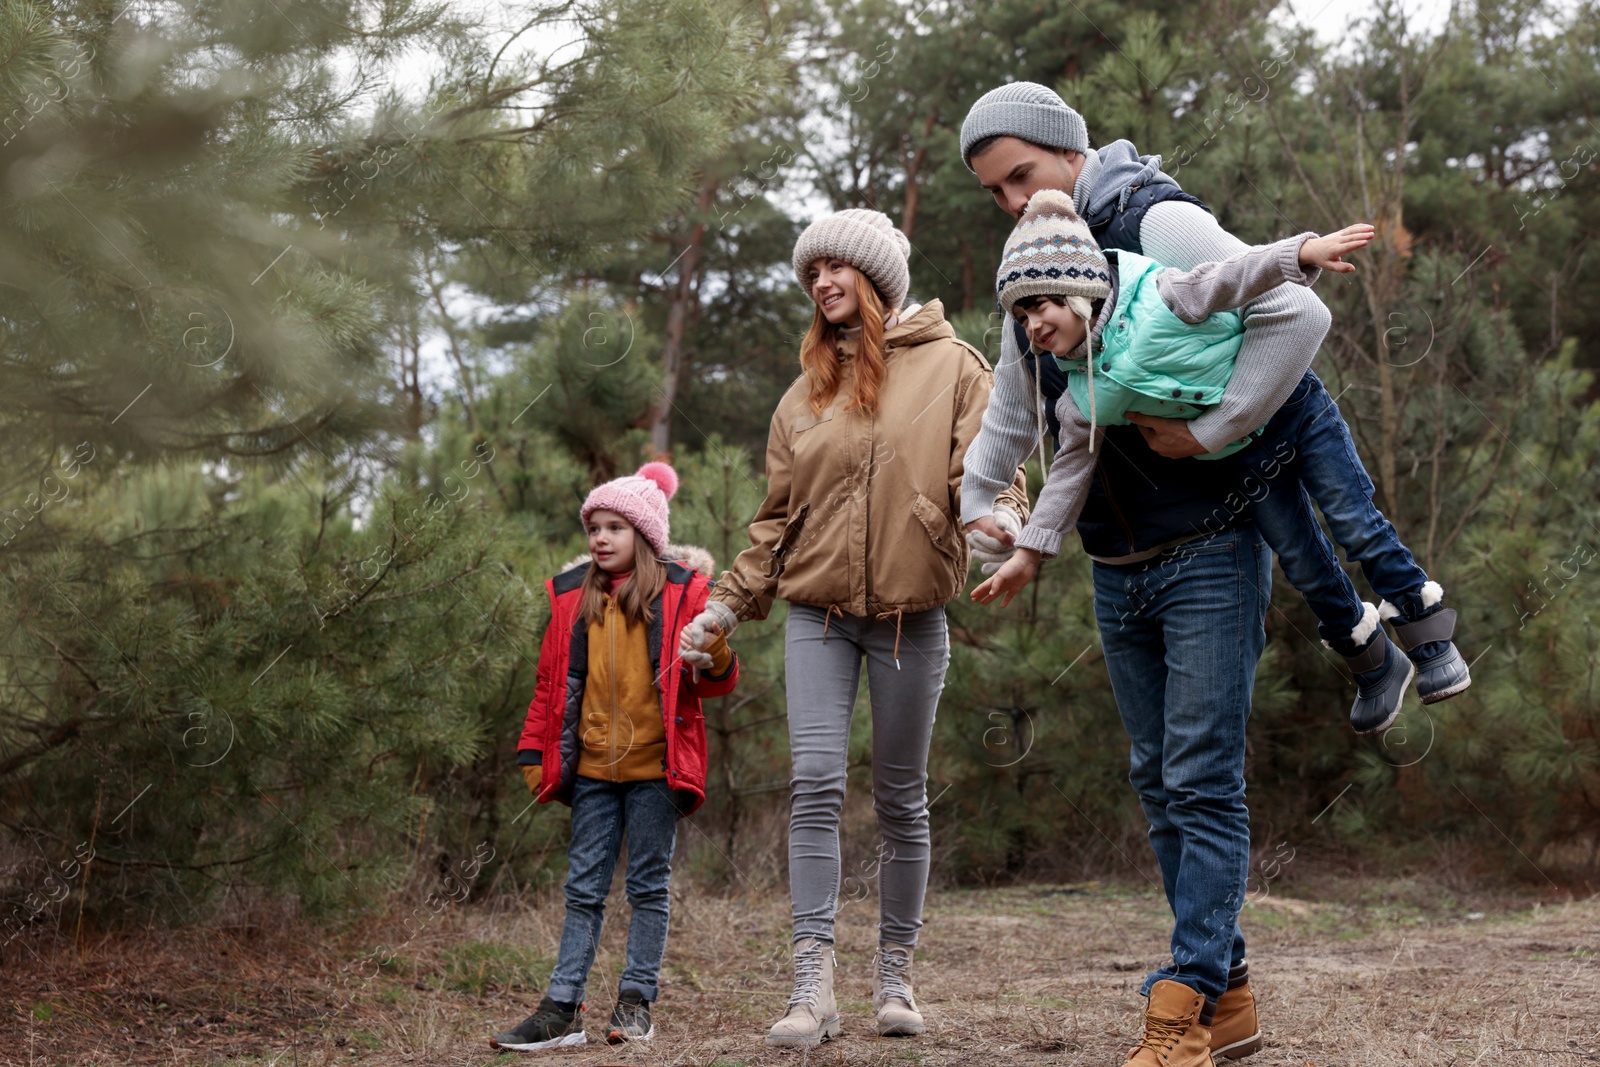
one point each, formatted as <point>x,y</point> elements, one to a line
<point>1027,110</point>
<point>866,240</point>
<point>1051,253</point>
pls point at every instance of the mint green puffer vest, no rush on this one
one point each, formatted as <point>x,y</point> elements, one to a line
<point>1153,362</point>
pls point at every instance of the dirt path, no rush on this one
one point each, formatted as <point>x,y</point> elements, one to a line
<point>1399,974</point>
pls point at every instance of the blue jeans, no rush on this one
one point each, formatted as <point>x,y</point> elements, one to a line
<point>602,813</point>
<point>1182,633</point>
<point>1306,454</point>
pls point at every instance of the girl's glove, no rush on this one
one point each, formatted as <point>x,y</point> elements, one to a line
<point>702,629</point>
<point>987,550</point>
<point>532,774</point>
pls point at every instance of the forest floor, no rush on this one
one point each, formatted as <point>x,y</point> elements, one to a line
<point>1368,974</point>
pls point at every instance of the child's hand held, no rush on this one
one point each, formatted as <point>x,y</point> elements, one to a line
<point>1010,579</point>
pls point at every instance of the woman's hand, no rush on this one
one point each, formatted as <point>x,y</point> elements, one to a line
<point>717,618</point>
<point>1324,252</point>
<point>1015,573</point>
<point>992,537</point>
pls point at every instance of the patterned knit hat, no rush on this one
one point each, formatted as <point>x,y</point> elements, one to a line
<point>866,240</point>
<point>641,499</point>
<point>1051,253</point>
<point>1027,110</point>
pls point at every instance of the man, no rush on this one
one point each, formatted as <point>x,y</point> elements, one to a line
<point>1182,579</point>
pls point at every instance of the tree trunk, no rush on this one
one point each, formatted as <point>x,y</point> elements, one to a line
<point>908,219</point>
<point>684,300</point>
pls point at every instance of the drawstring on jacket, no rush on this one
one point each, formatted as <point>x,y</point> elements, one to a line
<point>899,617</point>
<point>828,618</point>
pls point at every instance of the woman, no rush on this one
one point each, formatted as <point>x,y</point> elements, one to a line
<point>859,534</point>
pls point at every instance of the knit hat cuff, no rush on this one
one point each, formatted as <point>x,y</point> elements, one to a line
<point>1044,124</point>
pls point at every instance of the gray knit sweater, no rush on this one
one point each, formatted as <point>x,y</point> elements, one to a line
<point>1192,296</point>
<point>1282,332</point>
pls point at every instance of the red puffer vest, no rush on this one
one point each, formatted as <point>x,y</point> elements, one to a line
<point>550,736</point>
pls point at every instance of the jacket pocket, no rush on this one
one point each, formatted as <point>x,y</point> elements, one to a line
<point>786,542</point>
<point>805,420</point>
<point>940,530</point>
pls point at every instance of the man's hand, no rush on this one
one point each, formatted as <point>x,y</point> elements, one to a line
<point>1324,252</point>
<point>1167,437</point>
<point>1015,573</point>
<point>991,538</point>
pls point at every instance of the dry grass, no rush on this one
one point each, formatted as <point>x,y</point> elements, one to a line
<point>1371,974</point>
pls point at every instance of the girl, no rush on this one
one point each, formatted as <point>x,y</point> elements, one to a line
<point>858,533</point>
<point>615,731</point>
<point>1163,343</point>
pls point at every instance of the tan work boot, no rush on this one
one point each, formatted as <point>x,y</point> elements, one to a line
<point>812,1015</point>
<point>1235,1030</point>
<point>896,1008</point>
<point>1174,1036</point>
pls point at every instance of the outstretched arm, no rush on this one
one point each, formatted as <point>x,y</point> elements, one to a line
<point>1282,330</point>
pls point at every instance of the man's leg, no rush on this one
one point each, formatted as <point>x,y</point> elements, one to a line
<point>1135,656</point>
<point>1201,609</point>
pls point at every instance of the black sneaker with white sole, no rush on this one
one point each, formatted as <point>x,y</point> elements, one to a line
<point>630,1019</point>
<point>551,1026</point>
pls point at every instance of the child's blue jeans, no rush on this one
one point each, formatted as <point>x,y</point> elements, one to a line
<point>602,814</point>
<point>1306,454</point>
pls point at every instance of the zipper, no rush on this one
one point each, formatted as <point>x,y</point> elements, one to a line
<point>669,642</point>
<point>1122,520</point>
<point>611,673</point>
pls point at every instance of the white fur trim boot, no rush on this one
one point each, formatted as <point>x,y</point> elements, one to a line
<point>1382,675</point>
<point>1443,674</point>
<point>892,1001</point>
<point>812,1016</point>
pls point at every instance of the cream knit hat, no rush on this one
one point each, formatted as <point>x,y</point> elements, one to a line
<point>1051,253</point>
<point>866,240</point>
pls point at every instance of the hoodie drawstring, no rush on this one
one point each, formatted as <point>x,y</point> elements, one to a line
<point>899,617</point>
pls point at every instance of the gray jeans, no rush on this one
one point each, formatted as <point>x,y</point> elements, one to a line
<point>823,672</point>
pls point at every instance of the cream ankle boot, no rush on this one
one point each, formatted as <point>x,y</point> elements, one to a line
<point>895,1007</point>
<point>812,1016</point>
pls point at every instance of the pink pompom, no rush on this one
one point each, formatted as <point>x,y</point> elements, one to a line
<point>663,475</point>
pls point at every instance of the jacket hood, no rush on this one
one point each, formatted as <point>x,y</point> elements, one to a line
<point>925,324</point>
<point>1122,170</point>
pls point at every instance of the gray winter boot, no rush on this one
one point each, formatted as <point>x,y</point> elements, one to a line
<point>1382,675</point>
<point>1443,674</point>
<point>812,1016</point>
<point>895,1007</point>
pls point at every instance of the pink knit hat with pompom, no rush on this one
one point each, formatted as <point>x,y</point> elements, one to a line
<point>641,498</point>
